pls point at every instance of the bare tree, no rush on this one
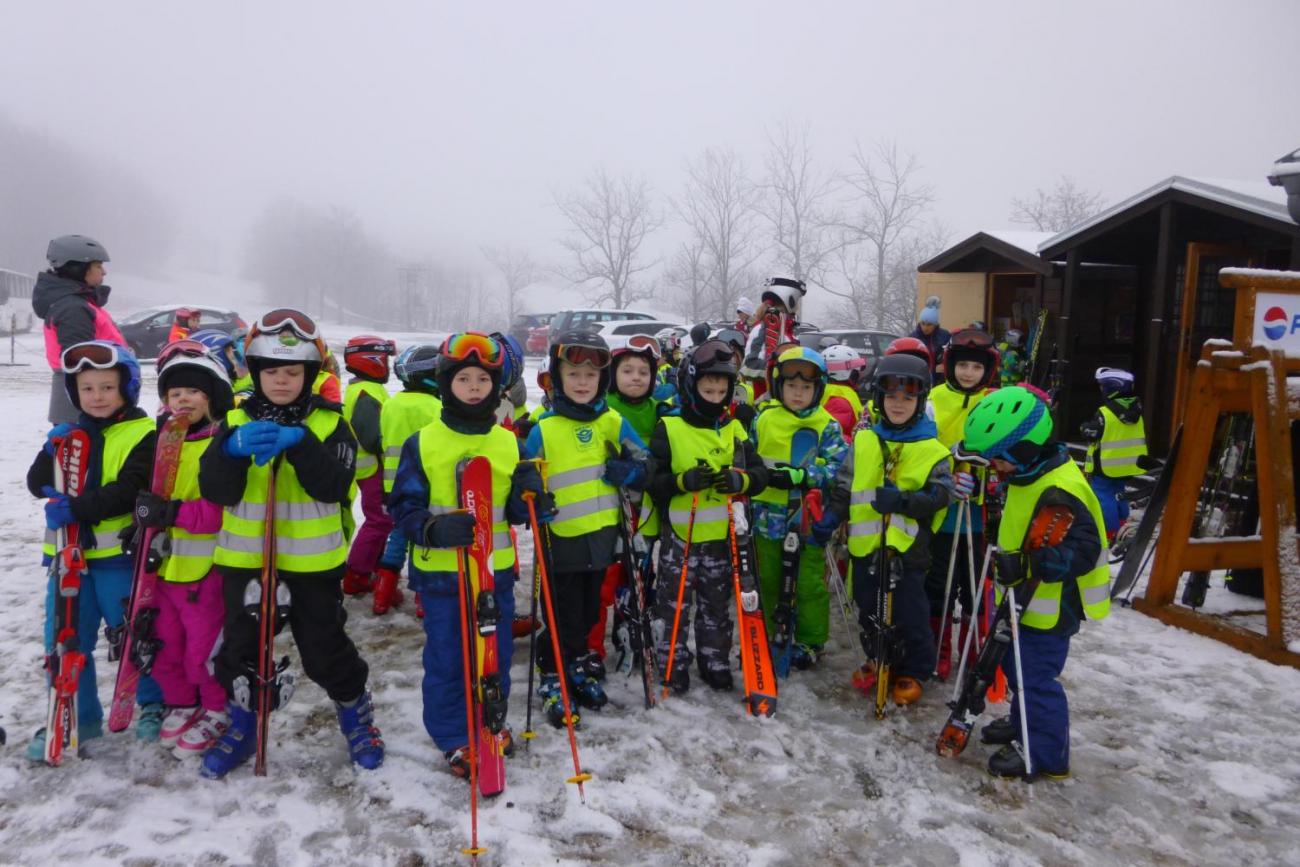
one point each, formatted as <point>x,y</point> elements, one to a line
<point>719,207</point>
<point>1066,205</point>
<point>610,219</point>
<point>798,203</point>
<point>518,271</point>
<point>688,276</point>
<point>887,207</point>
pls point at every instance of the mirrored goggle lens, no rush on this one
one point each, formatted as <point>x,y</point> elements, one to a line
<point>97,355</point>
<point>900,385</point>
<point>473,344</point>
<point>576,355</point>
<point>286,317</point>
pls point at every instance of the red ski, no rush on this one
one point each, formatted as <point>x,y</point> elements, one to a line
<point>479,617</point>
<point>134,642</point>
<point>755,653</point>
<point>65,659</point>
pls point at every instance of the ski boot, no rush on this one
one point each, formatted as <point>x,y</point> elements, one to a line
<point>1008,764</point>
<point>234,747</point>
<point>206,727</point>
<point>387,593</point>
<point>591,665</point>
<point>523,625</point>
<point>864,679</point>
<point>805,656</point>
<point>552,701</point>
<point>176,723</point>
<point>680,682</point>
<point>458,762</point>
<point>357,583</point>
<point>717,678</point>
<point>356,721</point>
<point>585,690</point>
<point>999,732</point>
<point>148,727</point>
<point>85,731</point>
<point>906,690</point>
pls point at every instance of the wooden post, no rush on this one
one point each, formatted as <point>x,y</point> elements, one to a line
<point>1157,425</point>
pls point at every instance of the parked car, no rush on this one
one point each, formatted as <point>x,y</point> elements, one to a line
<point>146,330</point>
<point>524,326</point>
<point>540,337</point>
<point>617,332</point>
<point>871,344</point>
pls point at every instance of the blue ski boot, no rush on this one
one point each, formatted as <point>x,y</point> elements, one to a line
<point>357,722</point>
<point>584,689</point>
<point>86,731</point>
<point>148,726</point>
<point>552,702</point>
<point>234,747</point>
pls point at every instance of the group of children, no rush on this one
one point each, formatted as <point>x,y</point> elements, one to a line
<point>611,425</point>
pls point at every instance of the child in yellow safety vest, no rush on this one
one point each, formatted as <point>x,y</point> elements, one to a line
<point>588,451</point>
<point>300,435</point>
<point>892,488</point>
<point>193,383</point>
<point>366,358</point>
<point>1117,445</point>
<point>1056,585</point>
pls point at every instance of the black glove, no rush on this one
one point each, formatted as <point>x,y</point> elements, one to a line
<point>889,499</point>
<point>1008,568</point>
<point>1147,463</point>
<point>731,481</point>
<point>784,477</point>
<point>523,426</point>
<point>153,511</point>
<point>697,479</point>
<point>1052,562</point>
<point>526,478</point>
<point>127,536</point>
<point>454,530</point>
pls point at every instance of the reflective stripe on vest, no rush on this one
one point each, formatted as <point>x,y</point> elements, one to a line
<point>1119,448</point>
<point>840,390</point>
<point>119,440</point>
<point>190,558</point>
<point>308,533</point>
<point>1044,609</point>
<point>441,451</point>
<point>774,431</point>
<point>403,414</point>
<point>915,462</point>
<point>576,452</point>
<point>689,445</point>
<point>367,463</point>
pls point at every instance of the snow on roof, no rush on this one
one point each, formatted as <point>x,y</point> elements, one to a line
<point>1026,239</point>
<point>1258,197</point>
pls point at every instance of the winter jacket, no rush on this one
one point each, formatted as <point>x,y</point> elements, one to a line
<point>935,343</point>
<point>73,313</point>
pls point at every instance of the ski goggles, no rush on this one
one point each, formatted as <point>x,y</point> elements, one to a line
<point>799,371</point>
<point>100,355</point>
<point>643,344</point>
<point>731,336</point>
<point>900,385</point>
<point>185,347</point>
<point>476,345</point>
<point>283,318</point>
<point>712,351</point>
<point>578,355</point>
<point>383,347</point>
<point>971,339</point>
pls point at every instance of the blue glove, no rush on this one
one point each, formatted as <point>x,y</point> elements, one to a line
<point>624,473</point>
<point>889,499</point>
<point>825,528</point>
<point>57,432</point>
<point>250,438</point>
<point>286,437</point>
<point>58,511</point>
<point>1052,564</point>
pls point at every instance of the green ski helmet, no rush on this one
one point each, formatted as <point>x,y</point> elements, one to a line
<point>1003,420</point>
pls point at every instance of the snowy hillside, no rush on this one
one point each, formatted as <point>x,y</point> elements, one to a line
<point>1183,752</point>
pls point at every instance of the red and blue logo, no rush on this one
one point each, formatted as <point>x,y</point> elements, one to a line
<point>1275,323</point>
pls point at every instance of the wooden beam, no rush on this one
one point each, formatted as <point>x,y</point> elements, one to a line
<point>1212,627</point>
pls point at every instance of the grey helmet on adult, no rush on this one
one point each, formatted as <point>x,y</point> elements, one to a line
<point>900,372</point>
<point>74,248</point>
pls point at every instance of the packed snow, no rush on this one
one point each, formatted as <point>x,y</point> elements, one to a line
<point>1184,752</point>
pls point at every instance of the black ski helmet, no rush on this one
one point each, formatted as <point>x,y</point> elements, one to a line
<point>448,366</point>
<point>710,357</point>
<point>970,344</point>
<point>896,367</point>
<point>577,343</point>
<point>416,368</point>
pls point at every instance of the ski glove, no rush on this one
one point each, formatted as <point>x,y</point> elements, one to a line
<point>731,481</point>
<point>154,511</point>
<point>784,477</point>
<point>58,432</point>
<point>697,479</point>
<point>889,499</point>
<point>58,511</point>
<point>454,530</point>
<point>1008,568</point>
<point>286,437</point>
<point>1052,563</point>
<point>523,426</point>
<point>624,473</point>
<point>963,485</point>
<point>825,528</point>
<point>524,481</point>
<point>251,437</point>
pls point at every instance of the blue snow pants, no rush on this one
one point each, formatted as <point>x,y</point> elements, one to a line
<point>443,686</point>
<point>1042,655</point>
<point>105,589</point>
<point>1114,508</point>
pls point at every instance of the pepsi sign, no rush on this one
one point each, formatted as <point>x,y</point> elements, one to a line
<point>1277,321</point>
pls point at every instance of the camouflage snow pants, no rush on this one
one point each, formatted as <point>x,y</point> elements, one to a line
<point>709,585</point>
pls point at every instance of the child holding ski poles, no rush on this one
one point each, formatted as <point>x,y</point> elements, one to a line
<point>366,358</point>
<point>893,488</point>
<point>192,383</point>
<point>702,458</point>
<point>1057,586</point>
<point>103,383</point>
<point>426,504</point>
<point>575,439</point>
<point>284,427</point>
<point>802,447</point>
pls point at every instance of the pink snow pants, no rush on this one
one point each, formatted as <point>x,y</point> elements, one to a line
<point>189,623</point>
<point>368,543</point>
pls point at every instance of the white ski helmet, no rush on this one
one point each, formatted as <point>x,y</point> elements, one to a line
<point>786,290</point>
<point>841,361</point>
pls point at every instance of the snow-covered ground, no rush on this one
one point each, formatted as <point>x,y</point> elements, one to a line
<point>1184,752</point>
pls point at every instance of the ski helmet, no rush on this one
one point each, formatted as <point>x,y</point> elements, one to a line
<point>470,349</point>
<point>733,336</point>
<point>74,248</point>
<point>710,357</point>
<point>1014,338</point>
<point>970,345</point>
<point>580,347</point>
<point>280,337</point>
<point>638,346</point>
<point>184,314</point>
<point>190,363</point>
<point>843,363</point>
<point>900,372</point>
<point>670,343</point>
<point>222,346</point>
<point>786,290</point>
<point>367,355</point>
<point>911,346</point>
<point>1001,423</point>
<point>101,355</point>
<point>800,357</point>
<point>1115,382</point>
<point>416,368</point>
<point>512,370</point>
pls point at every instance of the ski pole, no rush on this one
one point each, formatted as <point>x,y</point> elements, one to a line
<point>970,566</point>
<point>1020,681</point>
<point>529,734</point>
<point>948,608</point>
<point>474,850</point>
<point>681,591</point>
<point>975,613</point>
<point>579,776</point>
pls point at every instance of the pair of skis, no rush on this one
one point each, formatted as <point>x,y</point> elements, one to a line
<point>65,659</point>
<point>881,635</point>
<point>803,450</point>
<point>638,634</point>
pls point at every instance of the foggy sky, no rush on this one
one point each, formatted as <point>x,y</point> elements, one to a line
<point>447,128</point>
